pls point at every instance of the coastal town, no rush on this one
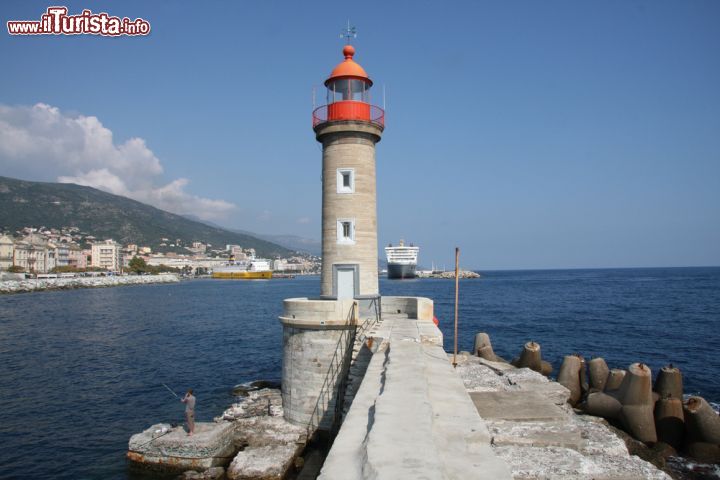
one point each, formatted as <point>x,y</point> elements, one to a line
<point>68,251</point>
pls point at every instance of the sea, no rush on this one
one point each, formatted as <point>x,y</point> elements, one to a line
<point>83,370</point>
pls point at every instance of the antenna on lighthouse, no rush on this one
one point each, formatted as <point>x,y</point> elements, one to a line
<point>348,33</point>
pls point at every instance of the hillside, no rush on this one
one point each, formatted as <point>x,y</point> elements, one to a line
<point>104,215</point>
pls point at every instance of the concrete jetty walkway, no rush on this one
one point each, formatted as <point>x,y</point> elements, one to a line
<point>411,416</point>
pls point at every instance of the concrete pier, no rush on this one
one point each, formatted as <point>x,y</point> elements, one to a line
<point>411,416</point>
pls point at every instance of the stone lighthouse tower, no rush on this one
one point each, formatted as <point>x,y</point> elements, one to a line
<point>348,128</point>
<point>319,333</point>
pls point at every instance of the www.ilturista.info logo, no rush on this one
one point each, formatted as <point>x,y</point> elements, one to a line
<point>56,21</point>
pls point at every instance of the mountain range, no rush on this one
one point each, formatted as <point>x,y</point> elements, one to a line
<point>104,215</point>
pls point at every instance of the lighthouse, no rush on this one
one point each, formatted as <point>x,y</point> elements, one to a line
<point>319,333</point>
<point>348,127</point>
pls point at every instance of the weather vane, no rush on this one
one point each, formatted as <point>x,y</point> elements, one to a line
<point>348,33</point>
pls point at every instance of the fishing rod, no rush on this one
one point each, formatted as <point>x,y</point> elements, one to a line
<point>169,390</point>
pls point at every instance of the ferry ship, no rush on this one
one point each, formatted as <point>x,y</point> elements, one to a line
<point>401,260</point>
<point>252,269</point>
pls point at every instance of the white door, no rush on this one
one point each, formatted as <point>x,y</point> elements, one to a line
<point>346,282</point>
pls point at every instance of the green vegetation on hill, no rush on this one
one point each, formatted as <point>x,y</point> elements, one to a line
<point>56,205</point>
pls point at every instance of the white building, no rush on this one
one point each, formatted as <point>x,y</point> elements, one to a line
<point>31,254</point>
<point>7,248</point>
<point>107,255</point>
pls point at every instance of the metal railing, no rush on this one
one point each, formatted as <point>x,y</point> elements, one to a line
<point>334,384</point>
<point>351,111</point>
<point>332,389</point>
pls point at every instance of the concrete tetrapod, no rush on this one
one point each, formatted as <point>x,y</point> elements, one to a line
<point>599,372</point>
<point>483,348</point>
<point>569,377</point>
<point>546,369</point>
<point>670,422</point>
<point>669,382</point>
<point>530,357</point>
<point>601,404</point>
<point>615,379</point>
<point>702,430</point>
<point>703,424</point>
<point>636,396</point>
<point>584,386</point>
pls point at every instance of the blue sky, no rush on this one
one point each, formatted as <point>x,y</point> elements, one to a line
<point>530,134</point>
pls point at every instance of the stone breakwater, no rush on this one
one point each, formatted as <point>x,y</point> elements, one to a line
<point>34,285</point>
<point>537,433</point>
<point>448,275</point>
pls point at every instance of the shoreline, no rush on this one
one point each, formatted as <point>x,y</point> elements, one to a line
<point>9,287</point>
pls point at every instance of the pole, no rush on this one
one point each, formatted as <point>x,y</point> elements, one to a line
<point>169,390</point>
<point>457,285</point>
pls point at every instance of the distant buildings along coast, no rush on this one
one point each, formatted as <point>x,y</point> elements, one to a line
<point>50,250</point>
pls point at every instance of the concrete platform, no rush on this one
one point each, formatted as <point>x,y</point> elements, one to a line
<point>517,406</point>
<point>161,447</point>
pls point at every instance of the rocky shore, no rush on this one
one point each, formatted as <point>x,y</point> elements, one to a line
<point>34,285</point>
<point>250,440</point>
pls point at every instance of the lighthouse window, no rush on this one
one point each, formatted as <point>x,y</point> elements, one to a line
<point>347,89</point>
<point>346,231</point>
<point>345,180</point>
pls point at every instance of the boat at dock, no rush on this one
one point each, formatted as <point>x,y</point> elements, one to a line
<point>251,269</point>
<point>401,260</point>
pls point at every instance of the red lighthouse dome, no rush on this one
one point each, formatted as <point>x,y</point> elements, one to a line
<point>348,94</point>
<point>349,68</point>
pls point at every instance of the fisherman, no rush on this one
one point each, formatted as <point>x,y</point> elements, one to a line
<point>189,401</point>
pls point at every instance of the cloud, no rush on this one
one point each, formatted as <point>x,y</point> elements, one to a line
<point>41,141</point>
<point>303,220</point>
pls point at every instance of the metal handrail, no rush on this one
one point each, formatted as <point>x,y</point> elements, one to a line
<point>333,370</point>
<point>377,114</point>
<point>351,337</point>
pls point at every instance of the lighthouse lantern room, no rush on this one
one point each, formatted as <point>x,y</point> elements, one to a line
<point>348,94</point>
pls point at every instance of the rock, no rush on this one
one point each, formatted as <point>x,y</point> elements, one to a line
<point>448,275</point>
<point>638,448</point>
<point>243,389</point>
<point>214,473</point>
<point>565,463</point>
<point>264,431</point>
<point>262,463</point>
<point>32,285</point>
<point>257,403</point>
